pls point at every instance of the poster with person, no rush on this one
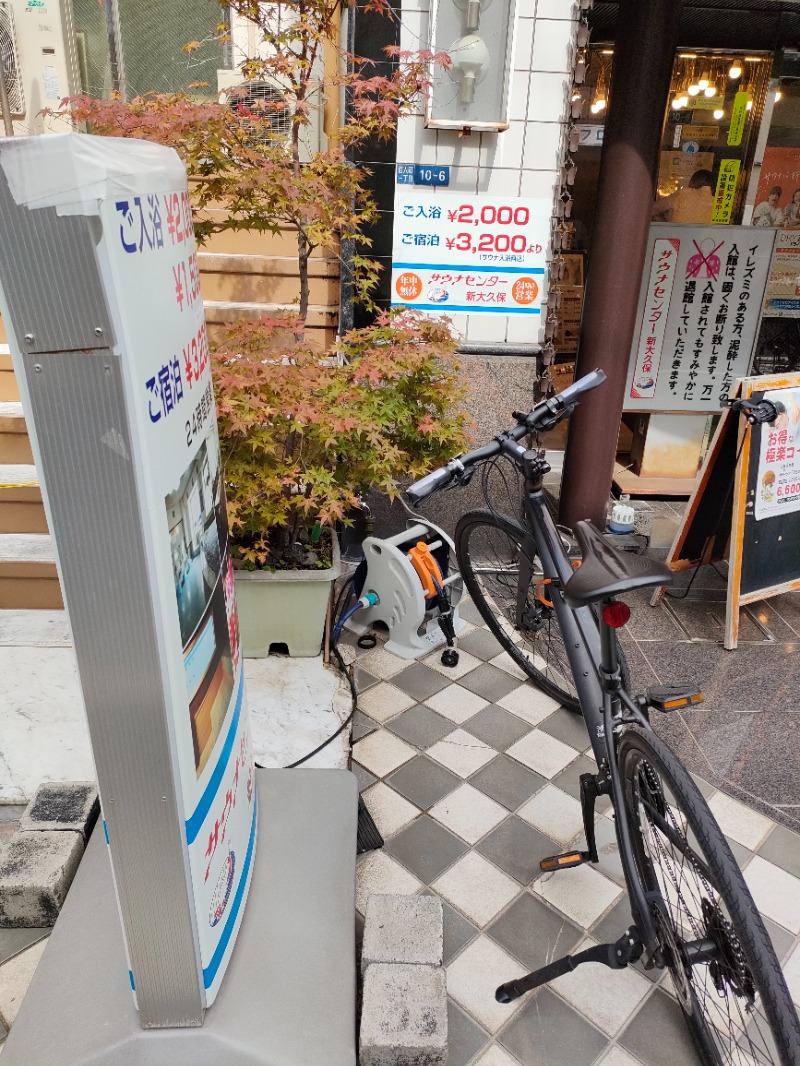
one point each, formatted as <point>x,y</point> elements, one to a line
<point>777,201</point>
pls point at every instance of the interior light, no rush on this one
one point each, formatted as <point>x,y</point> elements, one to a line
<point>778,95</point>
<point>676,104</point>
<point>719,113</point>
<point>710,91</point>
<point>703,83</point>
<point>735,71</point>
<point>693,90</point>
<point>470,58</point>
<point>749,105</point>
<point>684,101</point>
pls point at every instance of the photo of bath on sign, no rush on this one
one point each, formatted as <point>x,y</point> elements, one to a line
<point>475,254</point>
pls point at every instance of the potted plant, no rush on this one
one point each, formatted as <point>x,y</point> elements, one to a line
<point>300,436</point>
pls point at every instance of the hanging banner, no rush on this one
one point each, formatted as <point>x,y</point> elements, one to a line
<point>698,316</point>
<point>453,252</point>
<point>738,118</point>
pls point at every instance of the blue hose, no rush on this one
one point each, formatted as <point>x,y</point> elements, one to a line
<point>369,599</point>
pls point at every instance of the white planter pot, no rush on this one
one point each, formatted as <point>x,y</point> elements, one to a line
<point>287,607</point>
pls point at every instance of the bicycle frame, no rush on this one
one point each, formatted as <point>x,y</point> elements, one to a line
<point>593,653</point>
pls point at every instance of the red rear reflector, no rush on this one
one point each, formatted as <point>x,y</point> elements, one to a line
<point>616,614</point>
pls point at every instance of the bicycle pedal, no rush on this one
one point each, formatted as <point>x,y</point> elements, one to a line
<point>565,861</point>
<point>673,697</point>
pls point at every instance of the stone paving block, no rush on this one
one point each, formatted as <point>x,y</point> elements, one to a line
<point>36,870</point>
<point>63,805</point>
<point>406,929</point>
<point>404,1016</point>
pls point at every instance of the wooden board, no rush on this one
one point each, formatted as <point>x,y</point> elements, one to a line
<point>635,485</point>
<point>720,521</point>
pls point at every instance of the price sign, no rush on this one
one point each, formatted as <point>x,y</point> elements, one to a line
<point>482,255</point>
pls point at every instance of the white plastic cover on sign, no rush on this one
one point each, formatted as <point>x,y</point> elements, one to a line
<point>77,170</point>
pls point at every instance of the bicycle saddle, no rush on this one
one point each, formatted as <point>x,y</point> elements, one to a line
<point>605,571</point>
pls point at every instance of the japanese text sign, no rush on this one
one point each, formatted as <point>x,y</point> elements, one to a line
<point>725,192</point>
<point>778,483</point>
<point>699,311</point>
<point>475,254</point>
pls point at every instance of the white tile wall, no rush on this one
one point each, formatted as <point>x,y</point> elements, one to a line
<point>557,9</point>
<point>549,95</point>
<point>521,161</point>
<point>523,48</point>
<point>416,30</point>
<point>543,146</point>
<point>552,45</point>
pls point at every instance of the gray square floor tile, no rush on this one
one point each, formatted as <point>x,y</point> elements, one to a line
<point>364,777</point>
<point>489,682</point>
<point>658,1034</point>
<point>782,940</point>
<point>783,848</point>
<point>533,933</point>
<point>420,681</point>
<point>423,781</point>
<point>497,727</point>
<point>481,643</point>
<point>457,930</point>
<point>569,781</point>
<point>470,613</point>
<point>13,941</point>
<point>742,854</point>
<point>546,1032</point>
<point>517,848</point>
<point>426,848</point>
<point>363,679</point>
<point>421,726</point>
<point>507,781</point>
<point>567,726</point>
<point>363,725</point>
<point>465,1038</point>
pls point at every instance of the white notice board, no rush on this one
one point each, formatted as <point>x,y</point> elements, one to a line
<point>699,311</point>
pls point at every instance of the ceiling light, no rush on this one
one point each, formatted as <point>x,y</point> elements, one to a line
<point>749,105</point>
<point>676,104</point>
<point>711,91</point>
<point>735,71</point>
<point>719,113</point>
<point>693,90</point>
<point>778,95</point>
<point>703,83</point>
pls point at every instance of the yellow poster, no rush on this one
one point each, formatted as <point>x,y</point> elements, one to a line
<point>738,116</point>
<point>726,191</point>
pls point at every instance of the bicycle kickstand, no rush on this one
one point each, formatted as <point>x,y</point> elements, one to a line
<point>616,956</point>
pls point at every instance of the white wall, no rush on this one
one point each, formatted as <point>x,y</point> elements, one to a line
<point>524,160</point>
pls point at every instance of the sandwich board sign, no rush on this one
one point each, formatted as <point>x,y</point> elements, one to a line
<point>100,296</point>
<point>746,503</point>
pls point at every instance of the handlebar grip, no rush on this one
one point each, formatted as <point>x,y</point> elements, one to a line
<point>585,384</point>
<point>419,492</point>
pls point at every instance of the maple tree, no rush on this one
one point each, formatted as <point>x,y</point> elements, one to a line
<point>301,436</point>
<point>303,431</point>
<point>251,156</point>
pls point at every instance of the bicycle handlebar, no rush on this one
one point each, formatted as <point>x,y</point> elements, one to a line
<point>545,414</point>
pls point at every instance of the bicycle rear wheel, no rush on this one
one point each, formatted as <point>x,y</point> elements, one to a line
<point>723,966</point>
<point>494,555</point>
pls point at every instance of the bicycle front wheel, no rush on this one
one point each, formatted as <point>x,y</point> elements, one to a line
<point>721,960</point>
<point>505,579</point>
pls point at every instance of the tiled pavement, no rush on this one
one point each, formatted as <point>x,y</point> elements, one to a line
<point>472,775</point>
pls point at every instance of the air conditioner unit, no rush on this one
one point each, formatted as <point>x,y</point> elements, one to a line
<point>9,56</point>
<point>266,97</point>
<point>37,46</point>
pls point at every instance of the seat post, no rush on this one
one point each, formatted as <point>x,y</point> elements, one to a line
<point>609,648</point>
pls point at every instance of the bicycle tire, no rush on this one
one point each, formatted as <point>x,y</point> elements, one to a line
<point>488,547</point>
<point>733,996</point>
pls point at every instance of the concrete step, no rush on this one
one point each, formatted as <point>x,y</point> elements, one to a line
<point>28,576</point>
<point>21,508</point>
<point>8,384</point>
<point>26,628</point>
<point>15,447</point>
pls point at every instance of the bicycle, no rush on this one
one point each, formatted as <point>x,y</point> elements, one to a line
<point>691,910</point>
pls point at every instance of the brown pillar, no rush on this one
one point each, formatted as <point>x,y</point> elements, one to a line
<point>647,36</point>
